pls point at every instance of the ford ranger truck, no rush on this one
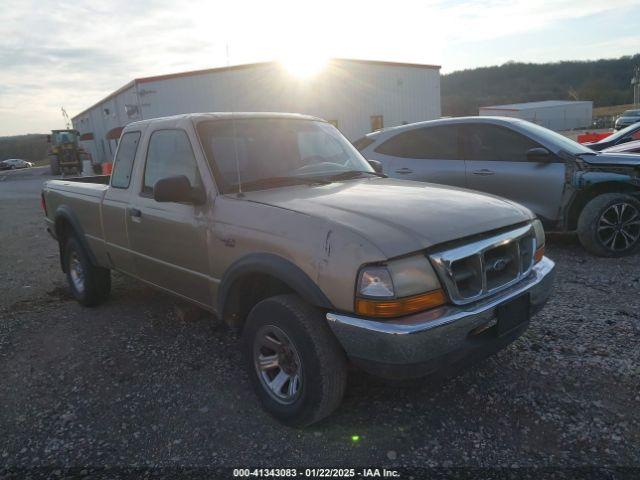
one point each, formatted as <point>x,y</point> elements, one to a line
<point>275,223</point>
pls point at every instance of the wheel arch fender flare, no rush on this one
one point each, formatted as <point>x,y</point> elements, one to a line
<point>598,185</point>
<point>277,267</point>
<point>65,215</point>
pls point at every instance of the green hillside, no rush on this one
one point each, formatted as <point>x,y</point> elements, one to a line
<point>31,147</point>
<point>605,82</point>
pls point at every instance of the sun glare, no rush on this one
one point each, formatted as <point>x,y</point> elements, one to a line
<point>303,64</point>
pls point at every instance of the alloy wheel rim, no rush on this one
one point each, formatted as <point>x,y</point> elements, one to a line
<point>76,272</point>
<point>277,364</point>
<point>619,227</point>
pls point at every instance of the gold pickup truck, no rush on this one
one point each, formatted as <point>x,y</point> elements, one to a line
<point>279,226</point>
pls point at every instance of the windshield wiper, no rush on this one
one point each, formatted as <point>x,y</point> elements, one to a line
<point>352,174</point>
<point>273,182</point>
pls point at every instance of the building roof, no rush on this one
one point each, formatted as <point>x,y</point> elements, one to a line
<point>529,105</point>
<point>156,78</point>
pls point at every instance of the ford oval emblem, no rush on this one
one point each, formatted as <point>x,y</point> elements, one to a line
<point>498,265</point>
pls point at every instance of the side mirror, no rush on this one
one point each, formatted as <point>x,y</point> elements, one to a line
<point>376,165</point>
<point>539,155</point>
<point>177,189</point>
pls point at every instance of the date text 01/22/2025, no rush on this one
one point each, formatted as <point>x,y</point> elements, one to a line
<point>315,473</point>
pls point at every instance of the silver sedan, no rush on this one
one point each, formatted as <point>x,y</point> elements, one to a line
<point>14,163</point>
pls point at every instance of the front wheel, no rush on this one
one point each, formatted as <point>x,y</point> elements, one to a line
<point>90,285</point>
<point>296,366</point>
<point>609,225</point>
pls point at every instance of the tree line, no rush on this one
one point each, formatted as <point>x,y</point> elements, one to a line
<point>31,147</point>
<point>605,82</point>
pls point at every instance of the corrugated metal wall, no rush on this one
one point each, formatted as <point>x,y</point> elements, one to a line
<point>346,92</point>
<point>559,117</point>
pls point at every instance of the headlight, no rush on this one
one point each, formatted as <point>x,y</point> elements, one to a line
<point>376,282</point>
<point>403,286</point>
<point>540,240</point>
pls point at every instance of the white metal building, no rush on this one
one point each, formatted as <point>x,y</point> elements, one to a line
<point>358,96</point>
<point>554,114</point>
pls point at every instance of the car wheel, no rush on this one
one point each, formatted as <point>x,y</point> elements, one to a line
<point>609,225</point>
<point>296,365</point>
<point>90,285</point>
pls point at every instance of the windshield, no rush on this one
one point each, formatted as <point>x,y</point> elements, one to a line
<point>628,131</point>
<point>271,152</point>
<point>553,138</point>
<point>64,137</point>
<point>631,113</point>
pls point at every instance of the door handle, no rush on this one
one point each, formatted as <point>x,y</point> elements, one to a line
<point>134,212</point>
<point>483,172</point>
<point>404,170</point>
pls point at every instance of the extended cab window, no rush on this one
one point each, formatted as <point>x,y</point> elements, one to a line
<point>494,143</point>
<point>169,155</point>
<point>438,143</point>
<point>121,176</point>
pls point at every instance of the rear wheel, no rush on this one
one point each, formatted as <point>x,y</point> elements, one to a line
<point>90,285</point>
<point>296,366</point>
<point>609,225</point>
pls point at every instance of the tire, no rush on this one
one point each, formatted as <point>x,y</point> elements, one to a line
<point>54,164</point>
<point>609,225</point>
<point>307,349</point>
<point>90,285</point>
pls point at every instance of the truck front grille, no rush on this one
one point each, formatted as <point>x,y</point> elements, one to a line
<point>482,268</point>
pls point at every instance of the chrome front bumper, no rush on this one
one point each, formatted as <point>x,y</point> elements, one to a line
<point>419,344</point>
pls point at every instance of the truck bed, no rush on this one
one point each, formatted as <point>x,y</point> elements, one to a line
<point>101,179</point>
<point>81,196</point>
<point>91,186</point>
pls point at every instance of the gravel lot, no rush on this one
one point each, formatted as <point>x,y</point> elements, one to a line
<point>133,383</point>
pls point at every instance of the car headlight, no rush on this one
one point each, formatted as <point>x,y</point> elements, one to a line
<point>400,287</point>
<point>538,229</point>
<point>376,282</point>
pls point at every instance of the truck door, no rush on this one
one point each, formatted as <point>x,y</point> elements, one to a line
<point>496,162</point>
<point>169,240</point>
<point>116,202</point>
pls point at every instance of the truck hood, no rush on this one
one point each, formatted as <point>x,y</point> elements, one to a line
<point>613,159</point>
<point>398,216</point>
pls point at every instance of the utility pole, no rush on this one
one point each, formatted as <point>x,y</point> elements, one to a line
<point>635,84</point>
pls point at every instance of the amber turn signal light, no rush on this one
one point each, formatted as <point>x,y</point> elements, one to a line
<point>538,255</point>
<point>401,306</point>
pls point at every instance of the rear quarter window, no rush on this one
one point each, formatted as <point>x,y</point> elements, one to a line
<point>121,175</point>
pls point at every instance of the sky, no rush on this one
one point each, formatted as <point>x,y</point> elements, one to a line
<point>57,54</point>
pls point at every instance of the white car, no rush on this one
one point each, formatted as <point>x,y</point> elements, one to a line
<point>14,163</point>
